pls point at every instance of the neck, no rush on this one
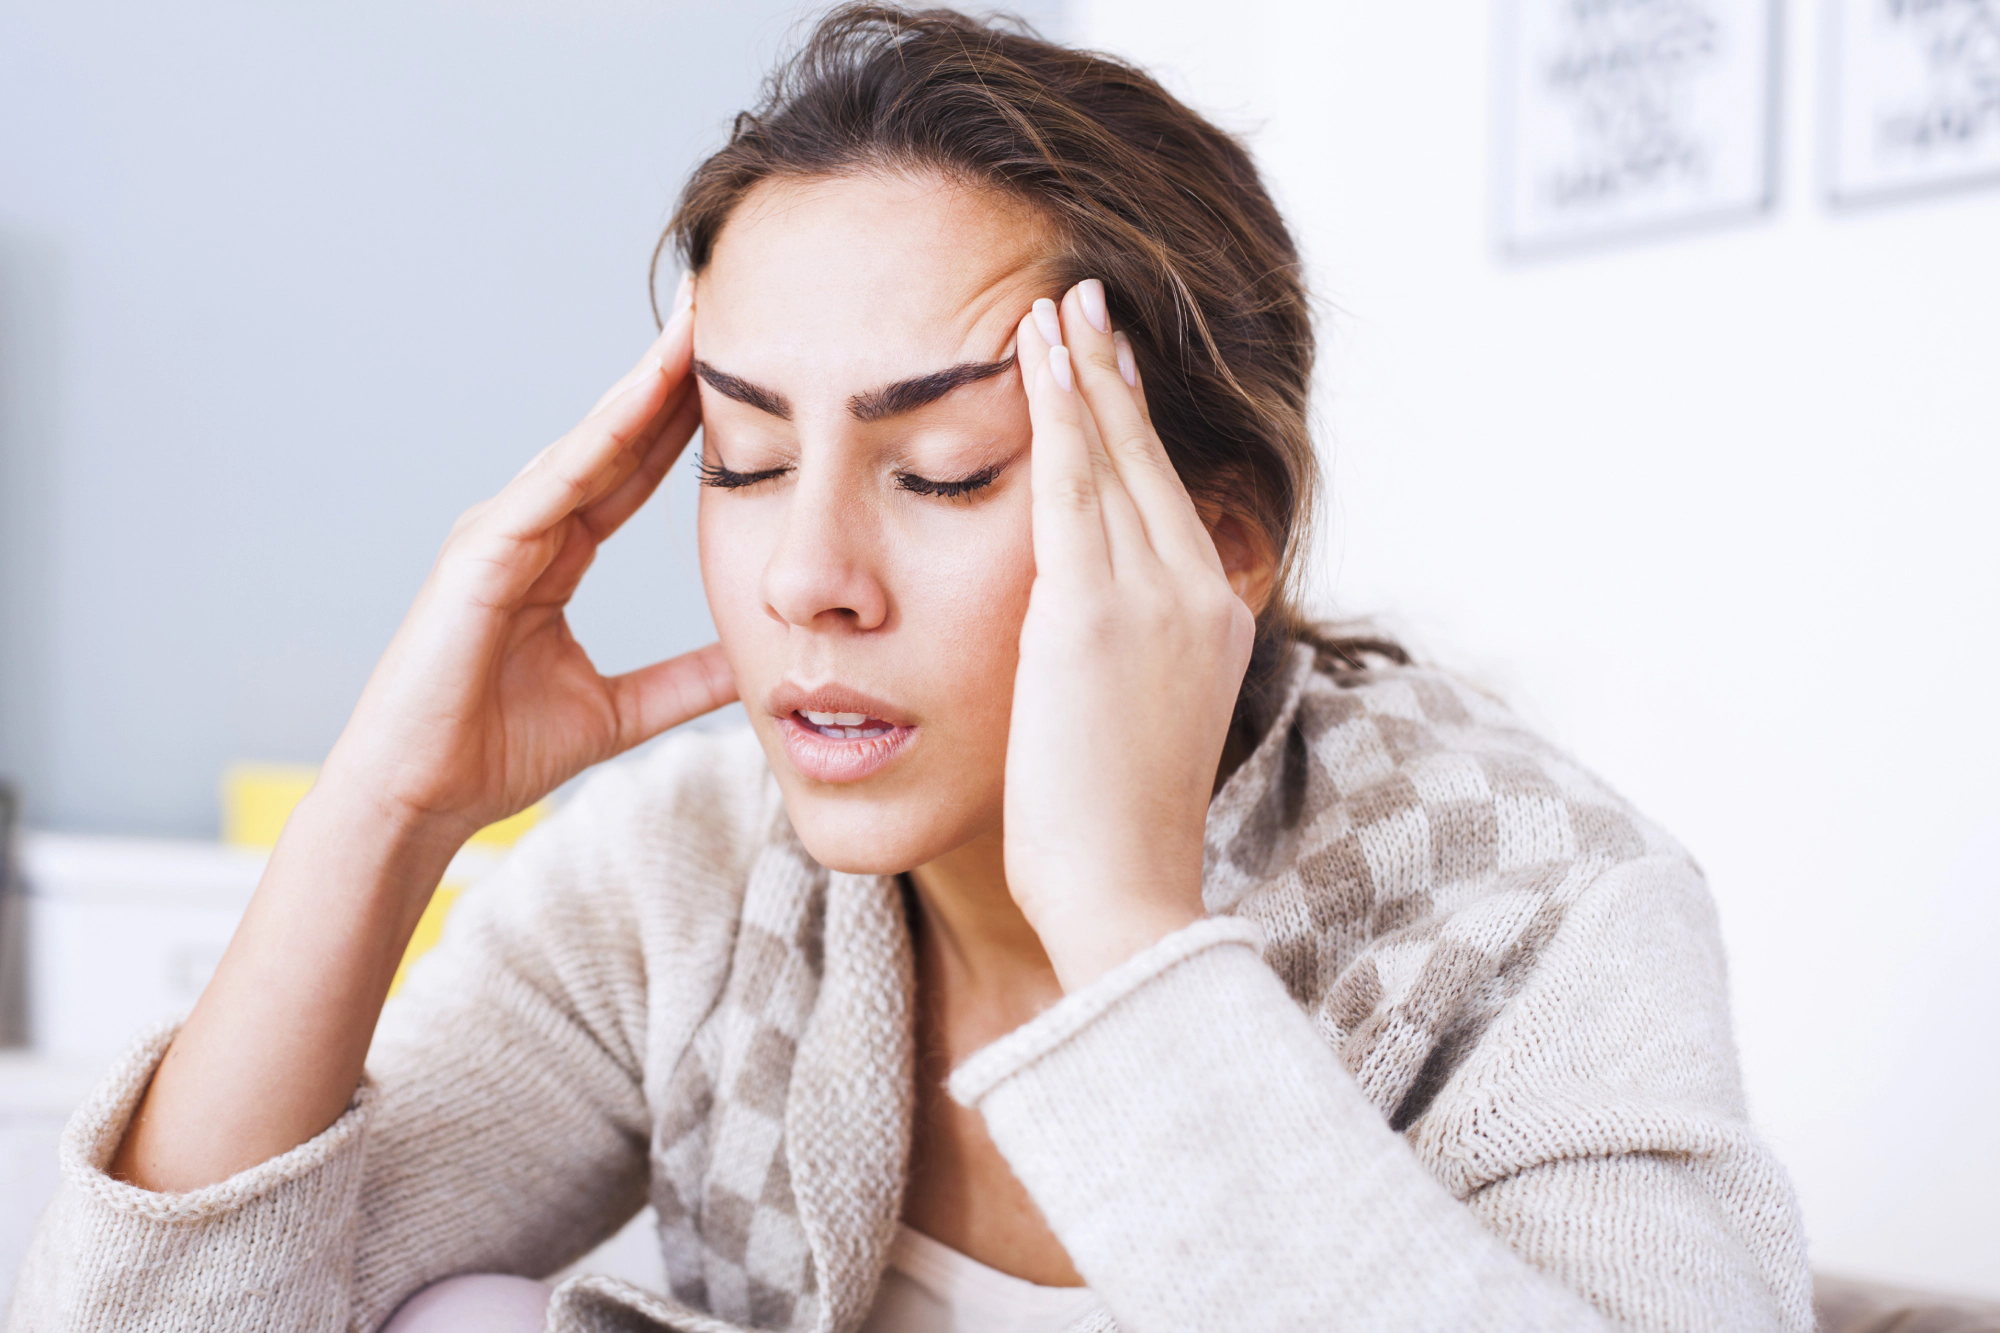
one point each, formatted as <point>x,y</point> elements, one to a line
<point>970,931</point>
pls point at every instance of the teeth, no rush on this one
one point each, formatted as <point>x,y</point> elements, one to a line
<point>834,719</point>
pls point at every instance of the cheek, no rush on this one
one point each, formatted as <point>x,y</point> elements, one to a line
<point>734,551</point>
<point>963,591</point>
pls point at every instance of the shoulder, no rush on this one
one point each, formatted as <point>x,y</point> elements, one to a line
<point>1418,789</point>
<point>1422,862</point>
<point>1421,745</point>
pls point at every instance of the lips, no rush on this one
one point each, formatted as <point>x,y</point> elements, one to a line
<point>832,733</point>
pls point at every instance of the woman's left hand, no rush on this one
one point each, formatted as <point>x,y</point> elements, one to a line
<point>1132,652</point>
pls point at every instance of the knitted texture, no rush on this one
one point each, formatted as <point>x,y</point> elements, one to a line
<point>1453,1052</point>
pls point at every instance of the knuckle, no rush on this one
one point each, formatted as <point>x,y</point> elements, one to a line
<point>1145,449</point>
<point>1073,492</point>
<point>574,485</point>
<point>1101,360</point>
<point>1230,617</point>
<point>1210,604</point>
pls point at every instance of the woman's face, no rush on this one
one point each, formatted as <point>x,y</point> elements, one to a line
<point>865,537</point>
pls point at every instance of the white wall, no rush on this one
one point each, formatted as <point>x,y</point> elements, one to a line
<point>1718,512</point>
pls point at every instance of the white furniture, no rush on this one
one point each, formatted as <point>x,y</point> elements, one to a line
<point>37,1095</point>
<point>123,933</point>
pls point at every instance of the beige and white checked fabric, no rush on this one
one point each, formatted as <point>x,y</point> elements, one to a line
<point>722,1182</point>
<point>1407,847</point>
<point>1405,844</point>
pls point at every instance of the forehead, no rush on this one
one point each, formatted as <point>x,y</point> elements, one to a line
<point>842,283</point>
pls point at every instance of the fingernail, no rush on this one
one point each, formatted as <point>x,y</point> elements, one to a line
<point>683,295</point>
<point>1059,368</point>
<point>1048,322</point>
<point>1128,365</point>
<point>1090,294</point>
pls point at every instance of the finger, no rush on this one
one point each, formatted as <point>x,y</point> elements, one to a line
<point>668,693</point>
<point>1128,370</point>
<point>603,449</point>
<point>1124,528</point>
<point>662,345</point>
<point>577,537</point>
<point>594,458</point>
<point>1172,523</point>
<point>607,514</point>
<point>574,553</point>
<point>1124,531</point>
<point>1107,376</point>
<point>537,460</point>
<point>1068,521</point>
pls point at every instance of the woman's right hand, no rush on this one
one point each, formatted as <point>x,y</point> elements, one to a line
<point>484,701</point>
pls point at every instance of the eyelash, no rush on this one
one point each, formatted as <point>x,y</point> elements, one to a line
<point>714,474</point>
<point>948,490</point>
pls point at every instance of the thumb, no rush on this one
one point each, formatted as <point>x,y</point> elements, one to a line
<point>668,693</point>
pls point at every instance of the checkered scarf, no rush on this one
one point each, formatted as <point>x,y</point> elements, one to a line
<point>1405,844</point>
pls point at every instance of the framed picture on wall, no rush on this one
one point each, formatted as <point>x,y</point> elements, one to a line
<point>1913,96</point>
<point>1626,117</point>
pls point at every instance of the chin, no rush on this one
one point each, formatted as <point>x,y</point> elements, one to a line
<point>882,795</point>
<point>888,823</point>
<point>862,833</point>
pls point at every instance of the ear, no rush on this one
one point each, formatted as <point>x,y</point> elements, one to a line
<point>1247,559</point>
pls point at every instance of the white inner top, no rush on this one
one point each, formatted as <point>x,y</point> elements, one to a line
<point>931,1288</point>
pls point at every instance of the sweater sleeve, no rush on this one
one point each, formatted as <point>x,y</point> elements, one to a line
<point>1210,1163</point>
<point>501,1127</point>
<point>495,1132</point>
<point>266,1248</point>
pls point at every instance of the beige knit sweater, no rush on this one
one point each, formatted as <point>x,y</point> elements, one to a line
<point>1451,1052</point>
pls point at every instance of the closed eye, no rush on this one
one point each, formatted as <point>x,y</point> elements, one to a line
<point>949,490</point>
<point>714,474</point>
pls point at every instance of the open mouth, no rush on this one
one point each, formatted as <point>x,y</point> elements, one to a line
<point>833,732</point>
<point>843,726</point>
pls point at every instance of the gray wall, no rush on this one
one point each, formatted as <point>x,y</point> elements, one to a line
<point>282,290</point>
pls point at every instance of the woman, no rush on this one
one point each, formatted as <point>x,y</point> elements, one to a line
<point>1074,936</point>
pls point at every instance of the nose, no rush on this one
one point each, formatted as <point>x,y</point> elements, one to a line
<point>824,572</point>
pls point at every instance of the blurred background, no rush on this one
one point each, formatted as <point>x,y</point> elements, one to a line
<point>1690,451</point>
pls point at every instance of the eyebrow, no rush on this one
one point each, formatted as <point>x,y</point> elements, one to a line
<point>743,391</point>
<point>911,394</point>
<point>876,404</point>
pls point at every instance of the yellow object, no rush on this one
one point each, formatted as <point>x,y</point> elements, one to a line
<point>429,926</point>
<point>257,799</point>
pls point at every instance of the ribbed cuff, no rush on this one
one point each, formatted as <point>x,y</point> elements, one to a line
<point>93,1134</point>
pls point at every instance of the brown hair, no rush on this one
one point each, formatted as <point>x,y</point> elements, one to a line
<point>1144,194</point>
